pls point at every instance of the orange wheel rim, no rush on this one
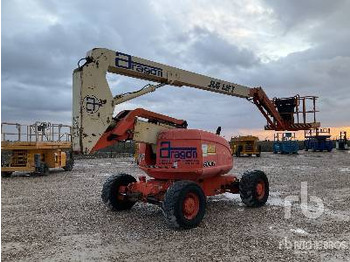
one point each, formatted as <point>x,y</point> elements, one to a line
<point>190,206</point>
<point>260,190</point>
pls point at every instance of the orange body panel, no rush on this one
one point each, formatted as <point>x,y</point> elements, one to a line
<point>186,154</point>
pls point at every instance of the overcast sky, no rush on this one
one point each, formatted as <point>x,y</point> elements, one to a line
<point>287,47</point>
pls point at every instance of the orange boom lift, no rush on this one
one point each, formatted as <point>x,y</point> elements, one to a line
<point>184,166</point>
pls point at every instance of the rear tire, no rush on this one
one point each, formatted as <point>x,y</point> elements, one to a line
<point>6,174</point>
<point>69,165</point>
<point>184,205</point>
<point>110,192</point>
<point>254,188</point>
<point>44,169</point>
<point>239,150</point>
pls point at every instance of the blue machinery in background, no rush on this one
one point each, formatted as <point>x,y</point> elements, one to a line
<point>285,143</point>
<point>318,139</point>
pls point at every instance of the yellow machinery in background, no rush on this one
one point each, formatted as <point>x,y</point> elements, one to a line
<point>35,148</point>
<point>245,145</point>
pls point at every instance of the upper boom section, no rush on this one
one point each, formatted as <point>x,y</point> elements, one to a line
<point>132,66</point>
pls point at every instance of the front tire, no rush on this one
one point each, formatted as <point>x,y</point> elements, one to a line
<point>259,149</point>
<point>111,195</point>
<point>254,188</point>
<point>184,205</point>
<point>69,165</point>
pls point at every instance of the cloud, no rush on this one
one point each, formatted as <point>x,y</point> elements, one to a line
<point>283,46</point>
<point>306,13</point>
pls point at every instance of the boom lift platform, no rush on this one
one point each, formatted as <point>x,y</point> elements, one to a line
<point>318,139</point>
<point>35,148</point>
<point>186,165</point>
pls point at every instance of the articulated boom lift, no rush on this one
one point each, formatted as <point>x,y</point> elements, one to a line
<point>185,165</point>
<point>94,103</point>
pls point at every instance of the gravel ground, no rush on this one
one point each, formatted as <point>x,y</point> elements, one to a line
<point>61,217</point>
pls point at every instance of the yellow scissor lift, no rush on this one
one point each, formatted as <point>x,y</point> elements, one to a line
<point>35,148</point>
<point>245,145</point>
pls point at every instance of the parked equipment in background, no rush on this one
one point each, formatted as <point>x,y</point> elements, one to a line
<point>245,145</point>
<point>35,148</point>
<point>186,165</point>
<point>342,141</point>
<point>318,139</point>
<point>285,143</point>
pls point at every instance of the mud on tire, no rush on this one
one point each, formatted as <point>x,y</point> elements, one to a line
<point>184,205</point>
<point>254,188</point>
<point>110,192</point>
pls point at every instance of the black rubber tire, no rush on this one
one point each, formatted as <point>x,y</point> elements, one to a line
<point>239,150</point>
<point>247,188</point>
<point>6,174</point>
<point>173,203</point>
<point>44,169</point>
<point>259,149</point>
<point>110,192</point>
<point>69,165</point>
